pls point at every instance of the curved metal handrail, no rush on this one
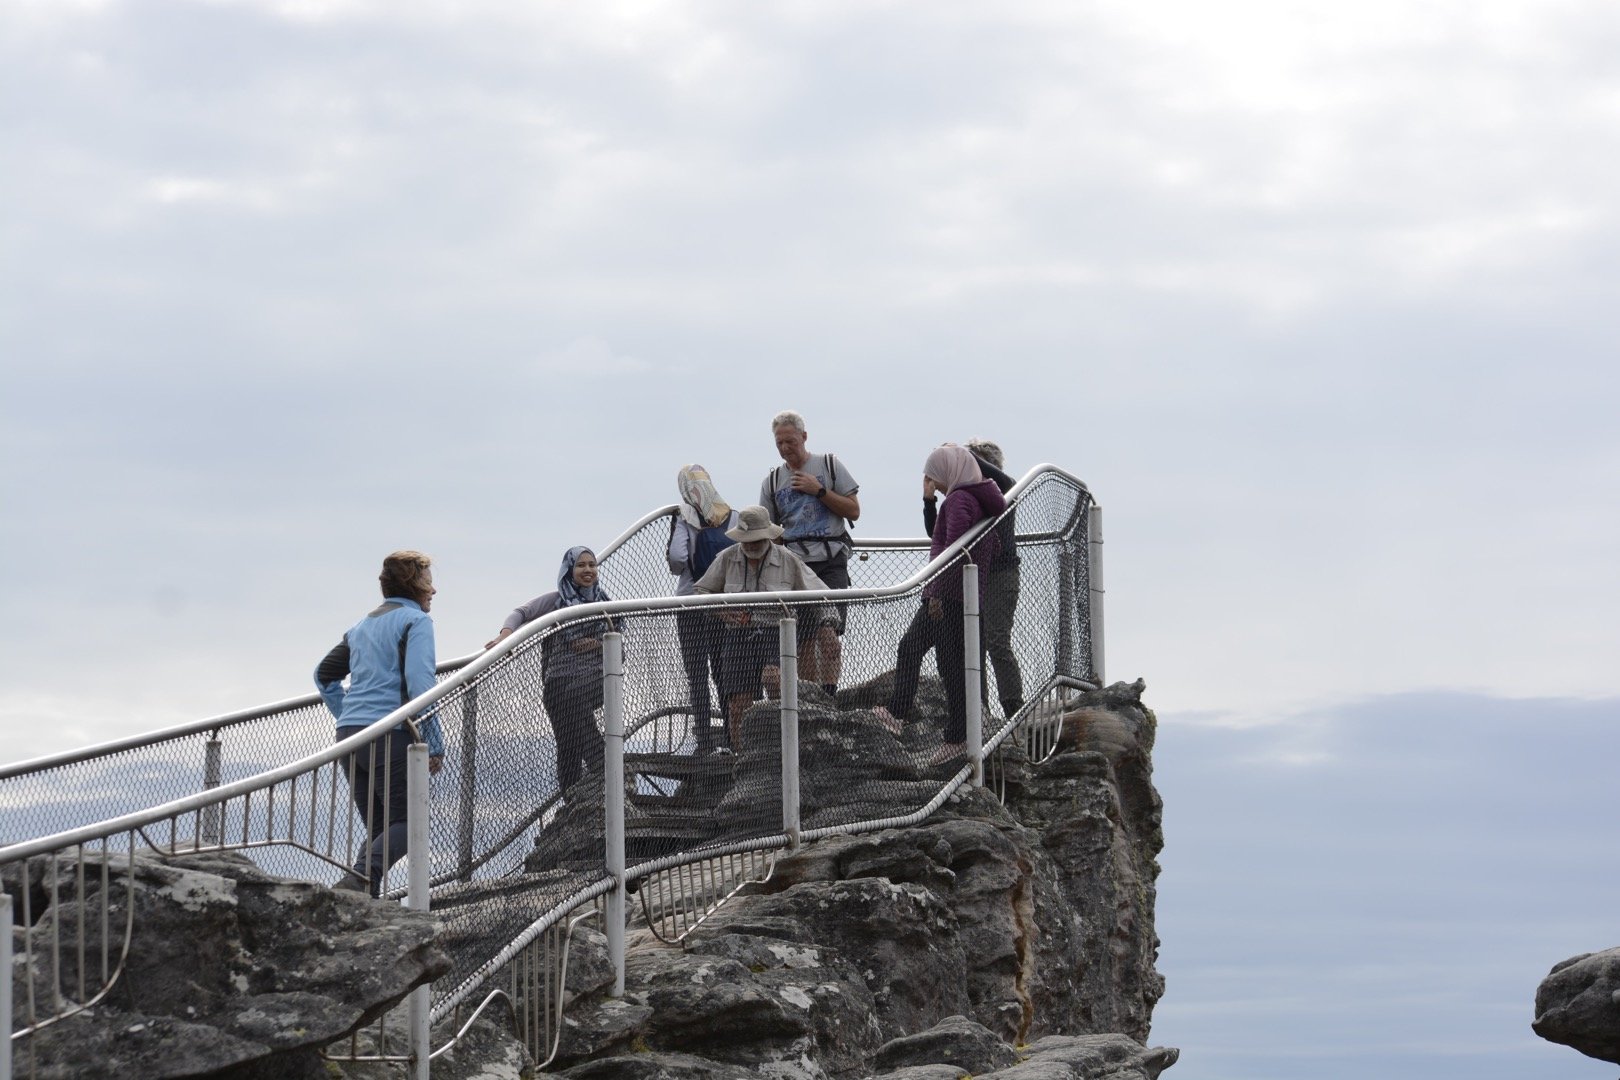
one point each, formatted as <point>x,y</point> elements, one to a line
<point>225,720</point>
<point>466,669</point>
<point>215,724</point>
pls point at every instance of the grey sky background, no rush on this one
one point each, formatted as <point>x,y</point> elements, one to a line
<point>1317,298</point>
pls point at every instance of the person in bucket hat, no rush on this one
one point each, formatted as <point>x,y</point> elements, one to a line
<point>749,650</point>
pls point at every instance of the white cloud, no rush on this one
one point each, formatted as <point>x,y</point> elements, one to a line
<point>174,190</point>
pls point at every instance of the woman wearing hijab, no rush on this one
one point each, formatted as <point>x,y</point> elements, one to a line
<point>969,499</point>
<point>696,536</point>
<point>570,664</point>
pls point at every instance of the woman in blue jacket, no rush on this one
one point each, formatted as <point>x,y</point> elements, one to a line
<point>388,658</point>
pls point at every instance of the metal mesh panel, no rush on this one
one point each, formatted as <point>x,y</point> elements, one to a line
<point>636,565</point>
<point>40,802</point>
<point>681,800</point>
<point>517,820</point>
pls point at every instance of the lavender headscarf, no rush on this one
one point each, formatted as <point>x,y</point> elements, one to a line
<point>951,466</point>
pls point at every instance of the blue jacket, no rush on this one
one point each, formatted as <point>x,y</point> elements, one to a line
<point>388,658</point>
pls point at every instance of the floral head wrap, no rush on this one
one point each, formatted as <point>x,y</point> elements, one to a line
<point>701,505</point>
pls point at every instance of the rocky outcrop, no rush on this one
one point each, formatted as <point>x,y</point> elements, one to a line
<point>990,938</point>
<point>230,972</point>
<point>1010,934</point>
<point>1578,1005</point>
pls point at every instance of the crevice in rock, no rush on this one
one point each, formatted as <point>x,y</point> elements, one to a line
<point>1025,942</point>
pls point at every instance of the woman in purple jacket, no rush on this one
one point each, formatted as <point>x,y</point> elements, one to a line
<point>969,499</point>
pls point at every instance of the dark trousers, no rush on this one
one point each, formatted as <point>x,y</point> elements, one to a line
<point>700,638</point>
<point>572,705</point>
<point>943,635</point>
<point>1000,604</point>
<point>915,644</point>
<point>377,782</point>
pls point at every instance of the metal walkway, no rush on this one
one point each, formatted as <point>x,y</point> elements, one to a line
<point>514,861</point>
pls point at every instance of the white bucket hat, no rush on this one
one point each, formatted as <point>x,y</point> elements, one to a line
<point>754,523</point>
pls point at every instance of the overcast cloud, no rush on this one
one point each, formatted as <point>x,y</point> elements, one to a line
<point>1316,297</point>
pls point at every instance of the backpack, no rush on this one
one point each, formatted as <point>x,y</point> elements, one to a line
<point>706,545</point>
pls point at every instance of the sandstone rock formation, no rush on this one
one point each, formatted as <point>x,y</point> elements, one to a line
<point>1003,939</point>
<point>1006,933</point>
<point>1578,1005</point>
<point>230,971</point>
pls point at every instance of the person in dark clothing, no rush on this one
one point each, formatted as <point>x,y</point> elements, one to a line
<point>969,499</point>
<point>1001,591</point>
<point>696,535</point>
<point>570,664</point>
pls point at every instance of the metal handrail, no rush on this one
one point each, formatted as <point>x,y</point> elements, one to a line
<point>215,724</point>
<point>561,615</point>
<point>218,723</point>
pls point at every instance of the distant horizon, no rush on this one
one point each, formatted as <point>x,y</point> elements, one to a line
<point>1479,860</point>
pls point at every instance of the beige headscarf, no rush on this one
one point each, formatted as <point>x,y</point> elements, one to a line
<point>950,466</point>
<point>701,505</point>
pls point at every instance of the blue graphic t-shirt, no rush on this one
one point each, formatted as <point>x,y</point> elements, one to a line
<point>809,529</point>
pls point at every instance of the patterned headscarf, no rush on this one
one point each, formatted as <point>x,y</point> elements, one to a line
<point>701,505</point>
<point>951,466</point>
<point>568,593</point>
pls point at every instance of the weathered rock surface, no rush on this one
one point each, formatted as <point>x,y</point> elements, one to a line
<point>1578,1005</point>
<point>999,939</point>
<point>955,1041</point>
<point>230,971</point>
<point>986,927</point>
<point>487,1051</point>
<point>1088,1057</point>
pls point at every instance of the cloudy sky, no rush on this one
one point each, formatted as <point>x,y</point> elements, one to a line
<point>1316,297</point>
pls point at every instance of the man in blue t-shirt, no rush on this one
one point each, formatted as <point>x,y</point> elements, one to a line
<point>815,500</point>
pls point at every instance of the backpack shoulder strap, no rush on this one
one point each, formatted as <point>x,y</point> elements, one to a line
<point>771,483</point>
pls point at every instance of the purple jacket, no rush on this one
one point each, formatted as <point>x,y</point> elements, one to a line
<point>964,508</point>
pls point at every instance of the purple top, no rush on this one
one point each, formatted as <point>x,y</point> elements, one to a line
<point>964,508</point>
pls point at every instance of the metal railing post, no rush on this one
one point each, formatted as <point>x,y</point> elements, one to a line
<point>789,630</point>
<point>468,781</point>
<point>1067,610</point>
<point>5,983</point>
<point>212,769</point>
<point>972,671</point>
<point>419,851</point>
<point>613,797</point>
<point>1094,575</point>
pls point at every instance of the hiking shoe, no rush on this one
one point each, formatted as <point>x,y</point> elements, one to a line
<point>352,882</point>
